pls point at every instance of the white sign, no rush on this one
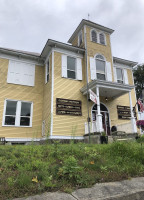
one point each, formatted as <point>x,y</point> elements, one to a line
<point>93,96</point>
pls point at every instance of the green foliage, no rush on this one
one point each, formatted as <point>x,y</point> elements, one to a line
<point>70,169</point>
<point>140,139</point>
<point>139,80</point>
<point>28,170</point>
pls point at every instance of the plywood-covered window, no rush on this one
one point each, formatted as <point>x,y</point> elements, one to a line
<point>21,73</point>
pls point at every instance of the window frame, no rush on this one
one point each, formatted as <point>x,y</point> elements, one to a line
<point>80,34</point>
<point>18,113</point>
<point>122,75</point>
<point>104,38</point>
<point>93,30</point>
<point>47,71</point>
<point>72,70</point>
<point>97,71</point>
<point>98,36</point>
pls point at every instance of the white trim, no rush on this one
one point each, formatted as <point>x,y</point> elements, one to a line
<point>17,116</point>
<point>22,139</point>
<point>19,59</point>
<point>52,93</point>
<point>80,33</point>
<point>48,56</point>
<point>85,41</point>
<point>96,35</point>
<point>122,66</point>
<point>104,38</point>
<point>102,111</point>
<point>67,52</point>
<point>66,137</point>
<point>112,60</point>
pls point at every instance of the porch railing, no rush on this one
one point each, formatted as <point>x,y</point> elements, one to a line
<point>93,127</point>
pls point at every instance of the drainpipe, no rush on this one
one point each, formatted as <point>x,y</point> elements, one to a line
<point>86,64</point>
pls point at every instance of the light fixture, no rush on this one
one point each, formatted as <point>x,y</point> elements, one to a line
<point>106,99</point>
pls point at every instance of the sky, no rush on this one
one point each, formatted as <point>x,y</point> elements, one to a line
<point>28,24</point>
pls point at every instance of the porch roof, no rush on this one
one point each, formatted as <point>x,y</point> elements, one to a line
<point>107,88</point>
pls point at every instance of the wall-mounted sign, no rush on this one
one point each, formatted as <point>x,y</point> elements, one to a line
<point>68,107</point>
<point>124,112</point>
<point>93,96</point>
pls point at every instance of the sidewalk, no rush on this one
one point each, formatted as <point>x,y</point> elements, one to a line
<point>124,190</point>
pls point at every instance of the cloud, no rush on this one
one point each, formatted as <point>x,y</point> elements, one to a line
<point>28,24</point>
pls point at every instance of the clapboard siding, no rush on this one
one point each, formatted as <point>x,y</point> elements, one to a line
<point>68,89</point>
<point>47,100</point>
<point>23,93</point>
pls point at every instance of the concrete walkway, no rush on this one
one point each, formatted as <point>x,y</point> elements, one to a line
<point>124,190</point>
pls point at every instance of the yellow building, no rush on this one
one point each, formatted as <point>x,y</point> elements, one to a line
<point>47,95</point>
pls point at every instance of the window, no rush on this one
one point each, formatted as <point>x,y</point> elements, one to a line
<point>94,36</point>
<point>17,113</point>
<point>71,67</point>
<point>119,73</point>
<point>80,38</point>
<point>47,71</point>
<point>21,73</point>
<point>102,38</point>
<point>100,67</point>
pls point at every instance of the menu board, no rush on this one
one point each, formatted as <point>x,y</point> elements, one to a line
<point>68,107</point>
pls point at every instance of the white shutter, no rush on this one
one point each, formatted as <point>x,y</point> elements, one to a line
<point>21,73</point>
<point>109,72</point>
<point>79,69</point>
<point>92,68</point>
<point>115,74</point>
<point>125,76</point>
<point>64,66</point>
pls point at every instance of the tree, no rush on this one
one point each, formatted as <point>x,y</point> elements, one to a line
<point>139,80</point>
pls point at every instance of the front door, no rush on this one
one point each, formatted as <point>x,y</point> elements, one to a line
<point>105,122</point>
<point>105,117</point>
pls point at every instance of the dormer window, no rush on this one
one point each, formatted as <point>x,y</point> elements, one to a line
<point>102,38</point>
<point>94,36</point>
<point>80,38</point>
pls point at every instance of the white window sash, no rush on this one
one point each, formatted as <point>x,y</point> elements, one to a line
<point>18,113</point>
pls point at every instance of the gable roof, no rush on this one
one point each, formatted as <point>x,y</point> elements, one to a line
<point>93,25</point>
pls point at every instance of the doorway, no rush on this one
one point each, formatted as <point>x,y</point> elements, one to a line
<point>105,117</point>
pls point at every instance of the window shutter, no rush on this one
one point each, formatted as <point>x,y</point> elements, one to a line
<point>28,74</point>
<point>79,69</point>
<point>109,72</point>
<point>21,73</point>
<point>64,66</point>
<point>115,74</point>
<point>92,68</point>
<point>125,76</point>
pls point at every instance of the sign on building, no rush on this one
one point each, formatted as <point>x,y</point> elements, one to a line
<point>124,112</point>
<point>93,96</point>
<point>68,107</point>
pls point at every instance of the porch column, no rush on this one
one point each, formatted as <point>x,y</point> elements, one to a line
<point>133,121</point>
<point>99,116</point>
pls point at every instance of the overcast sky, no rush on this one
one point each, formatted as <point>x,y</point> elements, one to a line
<point>27,24</point>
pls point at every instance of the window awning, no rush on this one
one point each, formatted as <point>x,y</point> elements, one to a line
<point>107,88</point>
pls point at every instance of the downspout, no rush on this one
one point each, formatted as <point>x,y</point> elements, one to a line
<point>86,64</point>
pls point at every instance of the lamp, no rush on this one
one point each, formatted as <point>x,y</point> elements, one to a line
<point>106,99</point>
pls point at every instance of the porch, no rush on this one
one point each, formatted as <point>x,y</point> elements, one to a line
<point>108,90</point>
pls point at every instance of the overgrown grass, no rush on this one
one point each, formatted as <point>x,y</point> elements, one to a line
<point>29,170</point>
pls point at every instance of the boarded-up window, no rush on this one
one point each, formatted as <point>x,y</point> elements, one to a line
<point>21,73</point>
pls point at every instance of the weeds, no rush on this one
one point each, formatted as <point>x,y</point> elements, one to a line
<point>29,170</point>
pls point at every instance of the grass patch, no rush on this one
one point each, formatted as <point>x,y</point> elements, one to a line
<point>29,170</point>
